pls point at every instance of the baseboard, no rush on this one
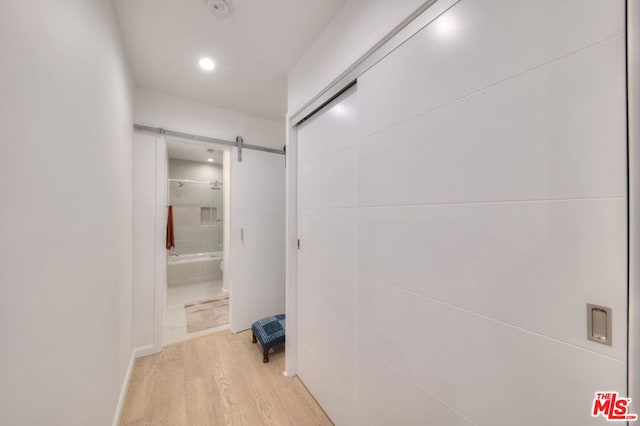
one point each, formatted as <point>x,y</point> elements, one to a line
<point>123,390</point>
<point>136,353</point>
<point>286,374</point>
<point>145,350</point>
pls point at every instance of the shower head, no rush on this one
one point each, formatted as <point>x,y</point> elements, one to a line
<point>180,184</point>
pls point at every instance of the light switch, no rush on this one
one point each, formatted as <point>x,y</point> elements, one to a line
<point>599,324</point>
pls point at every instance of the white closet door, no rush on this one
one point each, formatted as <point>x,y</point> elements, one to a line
<point>492,192</point>
<point>257,237</point>
<point>480,206</point>
<point>327,172</point>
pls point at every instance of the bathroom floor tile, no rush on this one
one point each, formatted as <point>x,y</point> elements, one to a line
<point>175,323</point>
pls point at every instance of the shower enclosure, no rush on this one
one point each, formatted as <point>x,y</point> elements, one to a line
<point>199,230</point>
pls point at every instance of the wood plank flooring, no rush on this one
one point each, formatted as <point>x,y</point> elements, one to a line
<point>218,379</point>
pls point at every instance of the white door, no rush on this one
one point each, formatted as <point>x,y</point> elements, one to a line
<point>327,172</point>
<point>453,234</point>
<point>257,237</point>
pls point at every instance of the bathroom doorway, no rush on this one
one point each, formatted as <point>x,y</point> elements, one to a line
<point>253,238</point>
<point>197,293</point>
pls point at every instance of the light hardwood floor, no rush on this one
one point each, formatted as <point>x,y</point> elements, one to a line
<point>218,379</point>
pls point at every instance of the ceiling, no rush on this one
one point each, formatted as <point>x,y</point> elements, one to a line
<point>253,48</point>
<point>179,150</point>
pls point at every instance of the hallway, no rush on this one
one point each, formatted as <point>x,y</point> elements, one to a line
<point>438,199</point>
<point>217,379</point>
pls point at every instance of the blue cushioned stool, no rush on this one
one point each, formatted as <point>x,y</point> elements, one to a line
<point>270,332</point>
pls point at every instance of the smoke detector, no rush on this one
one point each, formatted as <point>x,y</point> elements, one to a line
<point>220,8</point>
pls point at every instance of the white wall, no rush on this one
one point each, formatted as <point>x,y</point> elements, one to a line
<point>157,109</point>
<point>66,215</point>
<point>357,26</point>
<point>149,217</point>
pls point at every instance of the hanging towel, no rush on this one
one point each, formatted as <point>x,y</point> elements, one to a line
<point>171,239</point>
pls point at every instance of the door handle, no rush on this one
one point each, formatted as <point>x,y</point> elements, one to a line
<point>599,324</point>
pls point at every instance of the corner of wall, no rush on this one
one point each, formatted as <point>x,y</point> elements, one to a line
<point>124,389</point>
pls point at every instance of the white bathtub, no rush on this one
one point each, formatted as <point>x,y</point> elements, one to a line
<point>193,268</point>
<point>175,259</point>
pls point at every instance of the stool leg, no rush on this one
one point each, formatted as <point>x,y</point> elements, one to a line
<point>265,355</point>
<point>254,340</point>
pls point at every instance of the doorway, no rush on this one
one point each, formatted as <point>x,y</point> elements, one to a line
<point>197,293</point>
<point>252,257</point>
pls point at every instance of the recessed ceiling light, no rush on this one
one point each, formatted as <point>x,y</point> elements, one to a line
<point>210,160</point>
<point>207,64</point>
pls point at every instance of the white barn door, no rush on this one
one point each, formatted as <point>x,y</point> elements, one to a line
<point>257,237</point>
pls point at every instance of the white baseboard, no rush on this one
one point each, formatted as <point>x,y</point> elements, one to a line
<point>136,353</point>
<point>123,390</point>
<point>145,350</point>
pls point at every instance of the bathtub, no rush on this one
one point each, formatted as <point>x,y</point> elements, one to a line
<point>193,268</point>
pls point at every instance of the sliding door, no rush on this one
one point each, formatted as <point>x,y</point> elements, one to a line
<point>454,233</point>
<point>257,237</point>
<point>327,219</point>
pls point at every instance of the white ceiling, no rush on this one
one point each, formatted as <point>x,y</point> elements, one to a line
<point>180,150</point>
<point>253,48</point>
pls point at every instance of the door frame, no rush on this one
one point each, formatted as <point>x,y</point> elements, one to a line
<point>633,199</point>
<point>159,220</point>
<point>162,201</point>
<point>291,250</point>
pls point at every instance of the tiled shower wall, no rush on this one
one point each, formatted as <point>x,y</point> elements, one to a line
<point>197,208</point>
